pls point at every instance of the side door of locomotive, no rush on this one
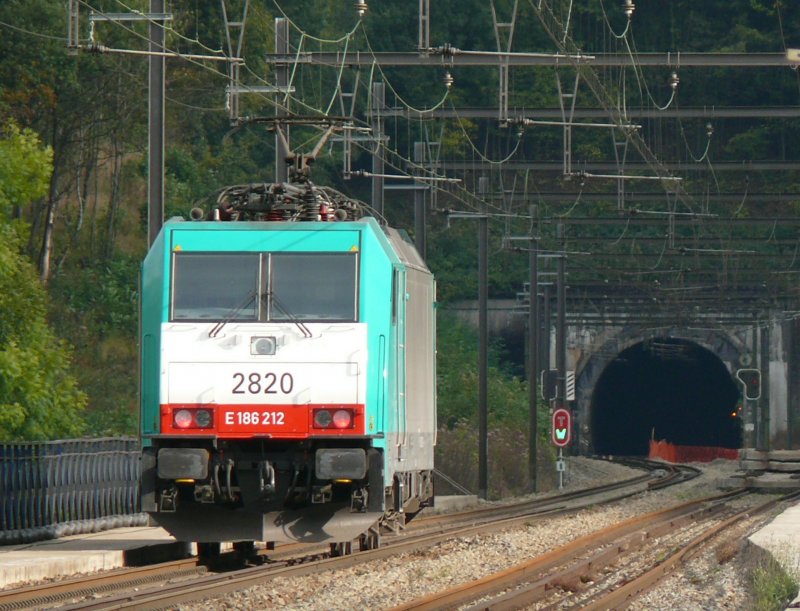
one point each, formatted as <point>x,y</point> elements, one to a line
<point>399,297</point>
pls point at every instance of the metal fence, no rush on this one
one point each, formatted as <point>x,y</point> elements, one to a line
<point>54,488</point>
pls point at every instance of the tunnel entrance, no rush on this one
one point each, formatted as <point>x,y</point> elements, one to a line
<point>667,388</point>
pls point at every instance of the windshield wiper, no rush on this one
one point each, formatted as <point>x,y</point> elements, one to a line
<point>215,330</point>
<point>292,318</point>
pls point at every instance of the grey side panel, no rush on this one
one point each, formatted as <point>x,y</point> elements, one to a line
<point>405,250</point>
<point>420,370</point>
<point>419,355</point>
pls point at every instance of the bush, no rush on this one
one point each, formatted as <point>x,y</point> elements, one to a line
<point>773,588</point>
<point>97,310</point>
<point>457,457</point>
<point>39,399</point>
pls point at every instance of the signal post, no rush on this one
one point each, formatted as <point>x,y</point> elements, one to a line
<point>561,435</point>
<point>750,379</point>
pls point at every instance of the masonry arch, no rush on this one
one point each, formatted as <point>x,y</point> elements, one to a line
<point>715,352</point>
<point>665,388</point>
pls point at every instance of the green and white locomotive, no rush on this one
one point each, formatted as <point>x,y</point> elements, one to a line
<point>287,371</point>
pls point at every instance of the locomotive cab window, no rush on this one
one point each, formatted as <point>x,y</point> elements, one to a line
<point>215,286</point>
<point>313,287</point>
<point>268,287</point>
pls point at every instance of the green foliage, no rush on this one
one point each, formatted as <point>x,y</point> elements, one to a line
<point>453,258</point>
<point>457,457</point>
<point>25,168</point>
<point>773,588</point>
<point>457,380</point>
<point>100,301</point>
<point>457,392</point>
<point>752,144</point>
<point>39,398</point>
<point>101,298</point>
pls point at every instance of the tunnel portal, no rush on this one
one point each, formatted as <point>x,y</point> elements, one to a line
<point>667,388</point>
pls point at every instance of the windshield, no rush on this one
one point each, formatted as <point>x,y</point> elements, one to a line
<point>309,286</point>
<point>215,286</point>
<point>265,286</point>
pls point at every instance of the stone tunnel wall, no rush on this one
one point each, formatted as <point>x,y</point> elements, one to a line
<point>590,348</point>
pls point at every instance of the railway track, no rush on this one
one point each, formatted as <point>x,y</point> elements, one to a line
<point>44,594</point>
<point>194,582</point>
<point>658,475</point>
<point>596,571</point>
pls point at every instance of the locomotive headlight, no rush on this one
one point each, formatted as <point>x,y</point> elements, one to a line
<point>333,418</point>
<point>182,418</point>
<point>202,418</point>
<point>322,419</point>
<point>263,345</point>
<point>342,419</point>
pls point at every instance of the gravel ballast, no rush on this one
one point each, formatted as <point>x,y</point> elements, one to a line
<point>713,580</point>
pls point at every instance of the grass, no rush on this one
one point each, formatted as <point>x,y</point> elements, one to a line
<point>773,587</point>
<point>457,456</point>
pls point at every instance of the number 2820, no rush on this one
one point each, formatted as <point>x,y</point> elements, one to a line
<point>267,384</point>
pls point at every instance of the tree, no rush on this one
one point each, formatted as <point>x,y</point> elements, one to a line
<point>39,398</point>
<point>457,378</point>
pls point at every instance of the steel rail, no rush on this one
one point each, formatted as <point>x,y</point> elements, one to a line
<point>584,569</point>
<point>215,585</point>
<point>41,594</point>
<point>538,505</point>
<point>529,571</point>
<point>650,578</point>
<point>37,596</point>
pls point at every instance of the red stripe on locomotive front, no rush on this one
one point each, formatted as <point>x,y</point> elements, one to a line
<point>278,421</point>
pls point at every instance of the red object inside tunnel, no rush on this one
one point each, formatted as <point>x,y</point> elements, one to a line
<point>664,450</point>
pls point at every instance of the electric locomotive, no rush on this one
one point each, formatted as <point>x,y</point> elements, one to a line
<point>287,371</point>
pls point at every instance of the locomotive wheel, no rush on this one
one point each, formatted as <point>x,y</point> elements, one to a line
<point>341,548</point>
<point>246,552</point>
<point>208,552</point>
<point>369,541</point>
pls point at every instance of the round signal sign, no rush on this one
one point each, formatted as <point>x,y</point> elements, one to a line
<point>561,431</point>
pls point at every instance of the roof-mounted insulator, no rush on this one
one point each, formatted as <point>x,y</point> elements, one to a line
<point>628,8</point>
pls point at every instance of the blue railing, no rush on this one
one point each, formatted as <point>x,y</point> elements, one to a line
<point>54,488</point>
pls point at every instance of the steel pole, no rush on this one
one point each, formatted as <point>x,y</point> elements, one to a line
<point>420,229</point>
<point>533,362</point>
<point>378,106</point>
<point>751,406</point>
<point>763,401</point>
<point>546,327</point>
<point>561,328</point>
<point>155,126</point>
<point>281,80</point>
<point>483,356</point>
